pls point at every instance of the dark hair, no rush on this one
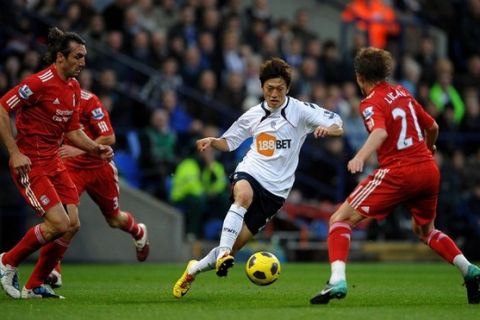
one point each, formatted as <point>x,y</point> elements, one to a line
<point>373,64</point>
<point>59,41</point>
<point>275,68</point>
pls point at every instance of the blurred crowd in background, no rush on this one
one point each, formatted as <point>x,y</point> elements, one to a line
<point>171,71</point>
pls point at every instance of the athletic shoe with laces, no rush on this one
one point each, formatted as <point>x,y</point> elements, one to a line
<point>183,284</point>
<point>337,290</point>
<point>9,279</point>
<point>223,264</point>
<point>54,279</point>
<point>142,245</point>
<point>42,292</point>
<point>472,282</point>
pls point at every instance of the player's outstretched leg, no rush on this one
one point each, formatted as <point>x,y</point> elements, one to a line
<point>9,279</point>
<point>223,264</point>
<point>142,245</point>
<point>337,290</point>
<point>472,282</point>
<point>42,292</point>
<point>184,283</point>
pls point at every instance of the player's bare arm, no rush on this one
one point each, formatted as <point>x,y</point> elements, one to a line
<point>431,135</point>
<point>217,143</point>
<point>20,162</point>
<point>67,151</point>
<point>374,141</point>
<point>332,131</point>
<point>82,141</point>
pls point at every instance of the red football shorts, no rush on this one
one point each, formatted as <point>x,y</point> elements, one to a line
<point>415,186</point>
<point>101,184</point>
<point>42,189</point>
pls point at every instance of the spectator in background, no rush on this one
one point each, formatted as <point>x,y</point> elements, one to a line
<point>167,79</point>
<point>375,17</point>
<point>410,74</point>
<point>330,64</point>
<point>185,28</point>
<point>301,26</point>
<point>188,194</point>
<point>157,158</point>
<point>468,30</point>
<point>114,15</point>
<point>233,94</point>
<point>427,58</point>
<point>445,96</point>
<point>191,66</point>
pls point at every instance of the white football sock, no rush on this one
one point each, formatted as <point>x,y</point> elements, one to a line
<point>338,271</point>
<point>232,225</point>
<point>207,263</point>
<point>462,264</point>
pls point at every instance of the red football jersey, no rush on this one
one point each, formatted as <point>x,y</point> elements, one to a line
<point>392,108</point>
<point>95,122</point>
<point>46,108</point>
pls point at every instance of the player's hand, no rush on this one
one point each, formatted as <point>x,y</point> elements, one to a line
<point>104,152</point>
<point>320,132</point>
<point>67,151</point>
<point>204,143</point>
<point>20,163</point>
<point>355,165</point>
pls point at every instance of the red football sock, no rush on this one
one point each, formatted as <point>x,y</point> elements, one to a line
<point>50,255</point>
<point>339,241</point>
<point>31,242</point>
<point>132,227</point>
<point>58,267</point>
<point>443,245</point>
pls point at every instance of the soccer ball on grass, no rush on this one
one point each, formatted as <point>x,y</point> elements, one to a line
<point>263,268</point>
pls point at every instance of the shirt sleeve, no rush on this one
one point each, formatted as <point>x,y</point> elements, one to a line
<point>98,118</point>
<point>238,132</point>
<point>27,92</point>
<point>373,116</point>
<point>316,116</point>
<point>424,119</point>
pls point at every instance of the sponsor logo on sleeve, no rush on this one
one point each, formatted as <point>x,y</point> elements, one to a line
<point>97,113</point>
<point>367,113</point>
<point>24,92</point>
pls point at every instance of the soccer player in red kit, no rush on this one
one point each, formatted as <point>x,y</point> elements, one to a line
<point>46,106</point>
<point>404,136</point>
<point>98,177</point>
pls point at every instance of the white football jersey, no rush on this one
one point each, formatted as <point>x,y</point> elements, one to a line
<point>278,134</point>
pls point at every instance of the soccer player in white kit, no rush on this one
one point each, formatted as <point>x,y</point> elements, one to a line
<point>263,179</point>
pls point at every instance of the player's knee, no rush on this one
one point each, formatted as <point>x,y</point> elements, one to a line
<point>243,198</point>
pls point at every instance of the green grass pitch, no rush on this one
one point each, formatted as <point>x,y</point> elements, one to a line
<point>144,291</point>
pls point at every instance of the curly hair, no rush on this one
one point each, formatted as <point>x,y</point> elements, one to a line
<point>373,64</point>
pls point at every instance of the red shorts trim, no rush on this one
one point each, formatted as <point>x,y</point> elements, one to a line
<point>415,186</point>
<point>42,191</point>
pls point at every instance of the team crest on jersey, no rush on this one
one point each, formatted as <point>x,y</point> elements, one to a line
<point>367,113</point>
<point>44,200</point>
<point>24,92</point>
<point>97,113</point>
